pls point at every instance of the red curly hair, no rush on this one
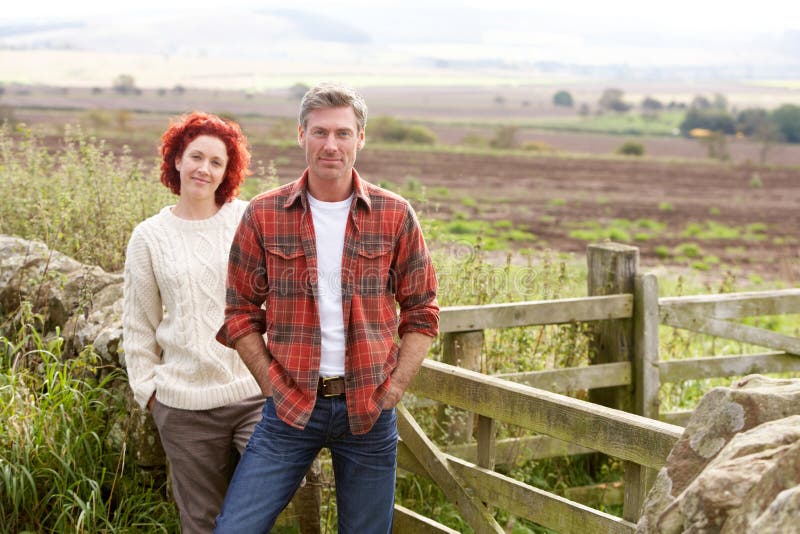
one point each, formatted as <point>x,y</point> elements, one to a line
<point>186,129</point>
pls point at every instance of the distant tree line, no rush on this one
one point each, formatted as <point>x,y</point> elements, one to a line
<point>710,115</point>
<point>782,123</point>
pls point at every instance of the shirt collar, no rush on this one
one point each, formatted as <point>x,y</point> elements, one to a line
<point>300,186</point>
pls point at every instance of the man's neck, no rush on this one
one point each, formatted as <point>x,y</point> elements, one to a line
<point>330,190</point>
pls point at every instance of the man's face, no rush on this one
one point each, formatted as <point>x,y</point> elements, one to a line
<point>331,140</point>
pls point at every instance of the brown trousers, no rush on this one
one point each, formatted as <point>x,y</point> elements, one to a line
<point>200,447</point>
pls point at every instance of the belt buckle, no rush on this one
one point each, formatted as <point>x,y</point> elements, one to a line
<point>325,380</point>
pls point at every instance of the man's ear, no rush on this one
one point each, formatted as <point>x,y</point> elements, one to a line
<point>362,139</point>
<point>301,135</point>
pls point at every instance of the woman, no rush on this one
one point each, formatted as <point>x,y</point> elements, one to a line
<point>203,399</point>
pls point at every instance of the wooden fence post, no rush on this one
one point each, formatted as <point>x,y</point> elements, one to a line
<point>462,349</point>
<point>612,268</point>
<point>487,432</point>
<point>646,383</point>
<point>646,378</point>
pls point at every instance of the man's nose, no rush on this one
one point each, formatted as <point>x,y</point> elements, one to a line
<point>330,142</point>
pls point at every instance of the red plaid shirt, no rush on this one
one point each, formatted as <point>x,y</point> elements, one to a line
<point>385,261</point>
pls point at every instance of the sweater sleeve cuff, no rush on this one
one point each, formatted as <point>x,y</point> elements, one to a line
<point>143,393</point>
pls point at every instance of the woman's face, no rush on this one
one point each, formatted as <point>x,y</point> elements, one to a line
<point>202,167</point>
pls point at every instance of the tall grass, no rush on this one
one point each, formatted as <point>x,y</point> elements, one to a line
<point>77,197</point>
<point>63,457</point>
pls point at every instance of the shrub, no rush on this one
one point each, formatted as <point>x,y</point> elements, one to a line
<point>714,120</point>
<point>652,104</point>
<point>474,140</point>
<point>663,252</point>
<point>298,90</point>
<point>631,148</point>
<point>690,250</point>
<point>390,130</point>
<point>665,206</point>
<point>787,118</point>
<point>537,146</point>
<point>125,84</point>
<point>563,99</point>
<point>504,137</point>
<point>611,99</point>
<point>752,120</point>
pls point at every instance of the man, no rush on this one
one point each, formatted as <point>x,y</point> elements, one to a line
<point>329,256</point>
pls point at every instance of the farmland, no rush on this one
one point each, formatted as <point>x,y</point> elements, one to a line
<point>659,206</point>
<point>683,210</point>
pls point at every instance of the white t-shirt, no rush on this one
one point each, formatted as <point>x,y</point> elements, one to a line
<point>330,223</point>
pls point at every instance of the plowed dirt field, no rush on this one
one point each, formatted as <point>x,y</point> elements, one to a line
<point>747,217</point>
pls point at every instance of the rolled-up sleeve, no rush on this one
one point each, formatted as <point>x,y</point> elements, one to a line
<point>415,279</point>
<point>246,287</point>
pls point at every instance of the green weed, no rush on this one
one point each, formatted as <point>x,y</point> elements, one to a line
<point>64,464</point>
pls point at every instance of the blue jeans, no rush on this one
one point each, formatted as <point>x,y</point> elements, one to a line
<point>278,456</point>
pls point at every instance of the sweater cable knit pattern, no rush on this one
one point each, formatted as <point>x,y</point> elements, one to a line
<point>174,304</point>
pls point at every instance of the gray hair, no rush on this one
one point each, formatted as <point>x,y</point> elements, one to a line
<point>333,95</point>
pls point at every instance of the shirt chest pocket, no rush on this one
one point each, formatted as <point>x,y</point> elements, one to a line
<point>375,276</point>
<point>287,270</point>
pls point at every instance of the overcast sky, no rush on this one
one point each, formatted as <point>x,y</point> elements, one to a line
<point>677,32</point>
<point>767,16</point>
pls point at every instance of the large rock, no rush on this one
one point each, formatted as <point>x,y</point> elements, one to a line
<point>773,449</point>
<point>740,483</point>
<point>84,301</point>
<point>783,515</point>
<point>725,469</point>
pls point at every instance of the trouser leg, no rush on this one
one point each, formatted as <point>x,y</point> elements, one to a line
<point>365,467</point>
<point>199,452</point>
<point>269,472</point>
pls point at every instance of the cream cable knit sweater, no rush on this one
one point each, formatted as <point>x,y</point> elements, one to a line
<point>174,304</point>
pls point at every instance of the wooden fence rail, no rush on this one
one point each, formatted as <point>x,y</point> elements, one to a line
<point>620,434</point>
<point>627,373</point>
<point>538,312</point>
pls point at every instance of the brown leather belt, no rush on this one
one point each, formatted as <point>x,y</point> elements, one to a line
<point>330,386</point>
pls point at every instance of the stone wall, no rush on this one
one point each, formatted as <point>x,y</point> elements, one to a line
<point>736,468</point>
